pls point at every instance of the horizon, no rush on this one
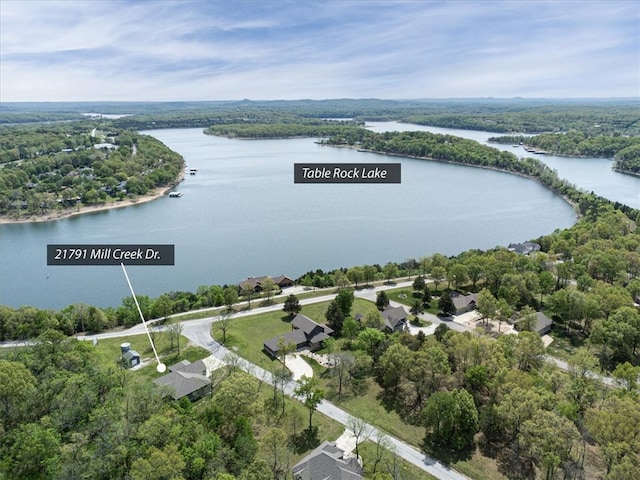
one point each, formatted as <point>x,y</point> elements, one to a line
<point>162,51</point>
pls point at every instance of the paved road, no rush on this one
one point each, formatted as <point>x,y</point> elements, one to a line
<point>199,333</point>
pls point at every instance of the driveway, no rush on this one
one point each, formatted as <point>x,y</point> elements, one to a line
<point>298,366</point>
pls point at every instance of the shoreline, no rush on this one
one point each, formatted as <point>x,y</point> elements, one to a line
<point>571,203</point>
<point>72,212</point>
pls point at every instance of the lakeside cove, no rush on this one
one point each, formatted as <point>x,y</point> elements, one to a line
<point>243,199</point>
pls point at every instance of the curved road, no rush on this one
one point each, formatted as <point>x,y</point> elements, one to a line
<point>199,333</point>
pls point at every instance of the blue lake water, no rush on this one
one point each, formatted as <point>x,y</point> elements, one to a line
<point>241,215</point>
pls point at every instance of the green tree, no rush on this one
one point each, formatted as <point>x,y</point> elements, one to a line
<point>445,304</point>
<point>616,427</point>
<point>372,319</point>
<point>230,295</point>
<point>450,419</point>
<point>236,396</point>
<point>247,290</point>
<point>334,316</point>
<point>345,299</point>
<point>355,275</point>
<point>529,351</point>
<point>16,385</point>
<point>382,301</point>
<point>257,470</point>
<point>550,439</point>
<point>292,305</point>
<point>390,271</point>
<point>438,274</point>
<point>486,304</point>
<point>418,284</point>
<point>393,365</point>
<point>627,376</point>
<point>310,393</point>
<point>165,464</point>
<point>33,453</point>
<point>268,285</point>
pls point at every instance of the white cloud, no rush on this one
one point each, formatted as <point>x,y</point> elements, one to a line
<point>265,50</point>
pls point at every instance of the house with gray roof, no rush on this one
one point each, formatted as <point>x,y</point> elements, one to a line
<point>395,319</point>
<point>186,379</point>
<point>524,248</point>
<point>542,324</point>
<point>327,462</point>
<point>464,303</point>
<point>305,333</point>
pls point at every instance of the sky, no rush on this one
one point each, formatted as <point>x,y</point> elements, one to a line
<point>95,50</point>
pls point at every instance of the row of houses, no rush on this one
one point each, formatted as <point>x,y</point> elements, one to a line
<point>306,333</point>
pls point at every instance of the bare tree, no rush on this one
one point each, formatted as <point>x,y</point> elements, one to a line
<point>383,444</point>
<point>344,362</point>
<point>175,332</point>
<point>222,324</point>
<point>360,429</point>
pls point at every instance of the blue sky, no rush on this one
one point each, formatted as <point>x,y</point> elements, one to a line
<point>263,50</point>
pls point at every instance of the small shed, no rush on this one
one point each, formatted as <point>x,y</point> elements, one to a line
<point>130,358</point>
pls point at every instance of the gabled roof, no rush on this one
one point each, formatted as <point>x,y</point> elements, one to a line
<point>184,378</point>
<point>463,301</point>
<point>257,281</point>
<point>187,367</point>
<point>296,336</point>
<point>393,316</point>
<point>307,325</point>
<point>326,462</point>
<point>305,331</point>
<point>524,248</point>
<point>129,354</point>
<point>543,323</point>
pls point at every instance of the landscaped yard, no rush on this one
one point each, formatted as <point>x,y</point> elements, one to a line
<point>246,335</point>
<point>405,296</point>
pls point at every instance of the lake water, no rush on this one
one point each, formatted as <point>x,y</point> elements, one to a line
<point>241,215</point>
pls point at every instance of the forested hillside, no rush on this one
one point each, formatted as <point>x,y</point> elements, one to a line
<point>493,406</point>
<point>60,167</point>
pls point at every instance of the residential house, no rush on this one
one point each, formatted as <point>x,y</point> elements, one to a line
<point>186,379</point>
<point>305,333</point>
<point>395,319</point>
<point>464,303</point>
<point>524,248</point>
<point>542,324</point>
<point>327,462</point>
<point>281,281</point>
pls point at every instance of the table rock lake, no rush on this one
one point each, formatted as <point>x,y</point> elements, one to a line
<point>241,214</point>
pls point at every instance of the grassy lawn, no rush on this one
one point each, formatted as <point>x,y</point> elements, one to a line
<point>109,351</point>
<point>406,297</point>
<point>564,344</point>
<point>247,335</point>
<point>371,409</point>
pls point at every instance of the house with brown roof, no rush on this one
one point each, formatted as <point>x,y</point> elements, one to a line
<point>327,462</point>
<point>305,333</point>
<point>281,281</point>
<point>186,379</point>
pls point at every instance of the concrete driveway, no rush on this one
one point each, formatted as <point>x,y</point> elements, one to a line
<point>298,366</point>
